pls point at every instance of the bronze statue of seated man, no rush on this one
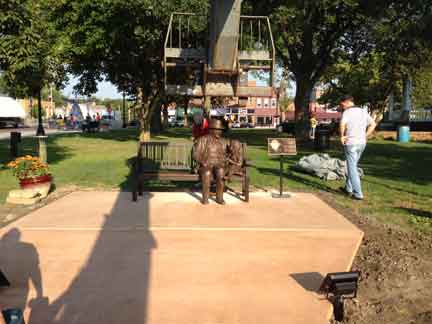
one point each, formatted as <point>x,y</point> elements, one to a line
<point>210,152</point>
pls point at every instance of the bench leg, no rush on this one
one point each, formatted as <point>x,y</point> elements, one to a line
<point>140,188</point>
<point>134,195</point>
<point>246,188</point>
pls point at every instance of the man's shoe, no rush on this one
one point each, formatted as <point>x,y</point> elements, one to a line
<point>346,192</point>
<point>357,198</point>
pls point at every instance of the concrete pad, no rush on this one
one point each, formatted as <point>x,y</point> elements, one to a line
<point>99,258</point>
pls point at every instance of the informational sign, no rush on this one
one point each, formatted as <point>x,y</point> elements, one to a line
<point>282,146</point>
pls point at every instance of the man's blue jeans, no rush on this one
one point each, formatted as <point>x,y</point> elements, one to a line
<point>352,155</point>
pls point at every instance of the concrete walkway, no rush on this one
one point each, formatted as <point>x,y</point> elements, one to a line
<point>96,257</point>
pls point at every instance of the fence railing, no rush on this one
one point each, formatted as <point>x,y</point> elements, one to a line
<point>415,115</point>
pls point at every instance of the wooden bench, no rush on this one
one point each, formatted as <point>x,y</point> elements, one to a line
<point>90,126</point>
<point>173,161</point>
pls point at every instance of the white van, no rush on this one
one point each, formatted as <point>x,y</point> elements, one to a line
<point>11,113</point>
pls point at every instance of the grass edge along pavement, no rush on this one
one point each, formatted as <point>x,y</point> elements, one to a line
<point>397,183</point>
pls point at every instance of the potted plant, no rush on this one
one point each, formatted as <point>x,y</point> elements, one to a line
<point>31,172</point>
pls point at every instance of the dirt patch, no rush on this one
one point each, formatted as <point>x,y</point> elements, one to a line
<point>396,281</point>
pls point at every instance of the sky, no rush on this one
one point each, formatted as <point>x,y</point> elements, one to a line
<point>105,90</point>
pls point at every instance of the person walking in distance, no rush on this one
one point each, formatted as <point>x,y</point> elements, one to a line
<point>355,127</point>
<point>313,125</point>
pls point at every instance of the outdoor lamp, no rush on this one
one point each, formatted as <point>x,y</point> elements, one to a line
<point>339,286</point>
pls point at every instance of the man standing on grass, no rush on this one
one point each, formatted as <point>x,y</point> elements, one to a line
<point>355,127</point>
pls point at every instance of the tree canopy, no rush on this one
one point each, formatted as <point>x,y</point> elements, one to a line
<point>319,40</point>
<point>121,41</point>
<point>357,46</point>
<point>29,52</point>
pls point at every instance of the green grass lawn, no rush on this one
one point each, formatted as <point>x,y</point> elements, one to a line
<point>397,185</point>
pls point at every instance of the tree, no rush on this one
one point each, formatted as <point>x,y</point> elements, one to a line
<point>422,89</point>
<point>309,36</point>
<point>28,49</point>
<point>312,36</point>
<point>400,48</point>
<point>57,96</point>
<point>121,41</point>
<point>368,81</point>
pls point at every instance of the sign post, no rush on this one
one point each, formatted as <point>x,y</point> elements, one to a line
<point>281,147</point>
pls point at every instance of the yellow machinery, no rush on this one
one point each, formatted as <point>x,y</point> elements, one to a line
<point>217,56</point>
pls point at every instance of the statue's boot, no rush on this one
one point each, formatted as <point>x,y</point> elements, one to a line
<point>220,173</point>
<point>205,179</point>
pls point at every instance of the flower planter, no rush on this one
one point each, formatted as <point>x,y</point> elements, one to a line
<point>41,184</point>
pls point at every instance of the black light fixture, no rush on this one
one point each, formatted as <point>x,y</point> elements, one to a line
<point>339,286</point>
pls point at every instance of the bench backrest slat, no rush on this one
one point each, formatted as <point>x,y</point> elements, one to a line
<point>159,155</point>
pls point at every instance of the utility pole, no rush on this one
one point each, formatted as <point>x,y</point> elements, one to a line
<point>40,130</point>
<point>51,100</point>
<point>124,110</point>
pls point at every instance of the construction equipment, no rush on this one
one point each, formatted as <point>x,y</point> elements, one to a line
<point>216,56</point>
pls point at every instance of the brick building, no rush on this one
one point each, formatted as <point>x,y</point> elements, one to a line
<point>259,111</point>
<point>47,106</point>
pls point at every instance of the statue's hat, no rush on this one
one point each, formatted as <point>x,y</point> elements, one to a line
<point>216,124</point>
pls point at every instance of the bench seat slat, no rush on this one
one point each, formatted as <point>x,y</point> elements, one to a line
<point>169,175</point>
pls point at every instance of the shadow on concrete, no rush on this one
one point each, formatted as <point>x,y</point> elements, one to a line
<point>310,281</point>
<point>20,263</point>
<point>112,285</point>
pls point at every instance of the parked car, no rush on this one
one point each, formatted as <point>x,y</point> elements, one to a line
<point>172,122</point>
<point>250,125</point>
<point>179,123</point>
<point>235,125</point>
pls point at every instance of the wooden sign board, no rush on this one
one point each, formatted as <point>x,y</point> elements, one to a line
<point>282,146</point>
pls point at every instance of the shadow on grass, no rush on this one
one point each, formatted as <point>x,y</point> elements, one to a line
<point>30,146</point>
<point>387,186</point>
<point>410,163</point>
<point>416,212</point>
<point>318,184</point>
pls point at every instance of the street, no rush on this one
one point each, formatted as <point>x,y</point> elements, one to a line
<point>31,131</point>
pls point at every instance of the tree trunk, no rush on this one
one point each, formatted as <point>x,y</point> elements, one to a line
<point>156,120</point>
<point>301,102</point>
<point>145,134</point>
<point>143,115</point>
<point>148,106</point>
<point>165,115</point>
<point>207,105</point>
